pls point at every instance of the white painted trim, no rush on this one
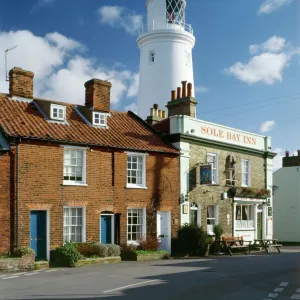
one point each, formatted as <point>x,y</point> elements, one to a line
<point>74,183</point>
<point>133,186</point>
<point>144,176</point>
<point>58,107</point>
<point>100,114</point>
<point>112,226</point>
<point>217,165</point>
<point>136,153</point>
<point>144,233</point>
<point>83,232</point>
<point>75,147</point>
<point>248,174</point>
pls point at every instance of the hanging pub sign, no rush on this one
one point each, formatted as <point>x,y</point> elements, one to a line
<point>205,174</point>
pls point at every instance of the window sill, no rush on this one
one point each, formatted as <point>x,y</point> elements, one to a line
<point>136,187</point>
<point>249,229</point>
<point>74,184</point>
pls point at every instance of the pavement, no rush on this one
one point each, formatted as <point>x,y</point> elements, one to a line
<point>256,276</point>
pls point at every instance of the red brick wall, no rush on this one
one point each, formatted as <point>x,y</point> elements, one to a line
<point>40,187</point>
<point>5,196</point>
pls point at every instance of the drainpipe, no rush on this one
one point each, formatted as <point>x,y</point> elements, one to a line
<point>17,196</point>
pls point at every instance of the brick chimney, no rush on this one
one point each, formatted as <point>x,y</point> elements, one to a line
<point>291,161</point>
<point>156,115</point>
<point>97,94</point>
<point>21,83</point>
<point>184,104</point>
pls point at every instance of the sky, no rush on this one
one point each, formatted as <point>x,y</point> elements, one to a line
<point>246,57</point>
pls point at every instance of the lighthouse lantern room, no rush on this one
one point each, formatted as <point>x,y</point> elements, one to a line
<point>166,45</point>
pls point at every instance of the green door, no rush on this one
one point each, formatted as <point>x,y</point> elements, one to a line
<point>259,225</point>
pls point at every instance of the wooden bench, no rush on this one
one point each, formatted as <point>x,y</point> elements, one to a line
<point>267,243</point>
<point>232,242</point>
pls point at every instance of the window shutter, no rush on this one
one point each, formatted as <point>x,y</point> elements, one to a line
<point>249,175</point>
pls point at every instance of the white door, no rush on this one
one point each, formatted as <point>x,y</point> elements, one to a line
<point>164,230</point>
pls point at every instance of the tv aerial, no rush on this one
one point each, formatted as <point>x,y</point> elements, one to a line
<point>6,51</point>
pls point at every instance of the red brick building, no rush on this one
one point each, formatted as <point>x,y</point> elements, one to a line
<point>81,172</point>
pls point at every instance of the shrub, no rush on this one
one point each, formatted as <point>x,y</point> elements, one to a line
<point>24,251</point>
<point>113,250</point>
<point>86,249</point>
<point>151,243</point>
<point>65,256</point>
<point>192,239</point>
<point>218,231</point>
<point>101,250</point>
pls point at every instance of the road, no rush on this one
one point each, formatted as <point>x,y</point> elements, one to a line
<point>262,276</point>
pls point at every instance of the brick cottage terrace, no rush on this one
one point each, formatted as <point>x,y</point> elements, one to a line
<point>81,172</point>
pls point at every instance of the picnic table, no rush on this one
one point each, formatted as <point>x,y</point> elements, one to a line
<point>234,243</point>
<point>267,243</point>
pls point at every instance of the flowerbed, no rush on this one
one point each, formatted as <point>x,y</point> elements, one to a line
<point>75,254</point>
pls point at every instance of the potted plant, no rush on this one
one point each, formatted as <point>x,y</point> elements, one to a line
<point>218,231</point>
<point>209,242</point>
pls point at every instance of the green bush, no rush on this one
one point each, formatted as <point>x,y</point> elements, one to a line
<point>164,253</point>
<point>24,251</point>
<point>192,239</point>
<point>101,250</point>
<point>218,231</point>
<point>65,256</point>
<point>86,249</point>
<point>113,250</point>
<point>128,252</point>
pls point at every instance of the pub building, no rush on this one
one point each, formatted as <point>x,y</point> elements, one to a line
<point>225,173</point>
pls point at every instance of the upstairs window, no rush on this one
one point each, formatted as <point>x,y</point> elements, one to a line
<point>99,119</point>
<point>212,159</point>
<point>136,176</point>
<point>58,112</point>
<point>245,172</point>
<point>151,57</point>
<point>74,166</point>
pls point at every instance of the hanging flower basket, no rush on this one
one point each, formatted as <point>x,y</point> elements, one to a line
<point>249,192</point>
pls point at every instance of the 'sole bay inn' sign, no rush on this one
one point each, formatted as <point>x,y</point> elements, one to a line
<point>228,136</point>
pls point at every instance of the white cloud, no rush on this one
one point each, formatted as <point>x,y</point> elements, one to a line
<point>59,67</point>
<point>267,126</point>
<point>266,68</point>
<point>134,87</point>
<point>121,17</point>
<point>269,6</point>
<point>132,107</point>
<point>201,89</point>
<point>274,44</point>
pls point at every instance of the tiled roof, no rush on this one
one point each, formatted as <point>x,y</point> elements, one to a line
<point>162,126</point>
<point>126,130</point>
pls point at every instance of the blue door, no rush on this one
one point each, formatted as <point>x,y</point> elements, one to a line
<point>38,234</point>
<point>106,229</point>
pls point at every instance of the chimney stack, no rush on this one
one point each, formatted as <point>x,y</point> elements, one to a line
<point>189,89</point>
<point>183,88</point>
<point>173,95</point>
<point>287,153</point>
<point>298,152</point>
<point>179,92</point>
<point>156,115</point>
<point>21,83</point>
<point>97,94</point>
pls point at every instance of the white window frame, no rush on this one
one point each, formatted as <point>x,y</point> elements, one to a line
<point>248,174</point>
<point>216,218</point>
<point>83,229</point>
<point>71,182</point>
<point>58,107</point>
<point>250,222</point>
<point>214,176</point>
<point>152,56</point>
<point>196,207</point>
<point>144,226</point>
<point>100,115</point>
<point>136,185</point>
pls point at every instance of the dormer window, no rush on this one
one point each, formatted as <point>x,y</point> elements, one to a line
<point>58,112</point>
<point>99,119</point>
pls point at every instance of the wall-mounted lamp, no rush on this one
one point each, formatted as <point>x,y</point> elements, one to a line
<point>224,196</point>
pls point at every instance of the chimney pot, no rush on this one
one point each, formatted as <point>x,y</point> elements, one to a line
<point>173,95</point>
<point>97,94</point>
<point>183,88</point>
<point>190,88</point>
<point>178,92</point>
<point>163,114</point>
<point>155,106</point>
<point>21,83</point>
<point>287,153</point>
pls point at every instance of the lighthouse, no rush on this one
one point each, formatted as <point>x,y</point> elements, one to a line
<point>166,43</point>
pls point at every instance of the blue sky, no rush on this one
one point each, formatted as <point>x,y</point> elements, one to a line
<point>68,42</point>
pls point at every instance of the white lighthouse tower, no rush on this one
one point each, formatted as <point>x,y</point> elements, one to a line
<point>166,45</point>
